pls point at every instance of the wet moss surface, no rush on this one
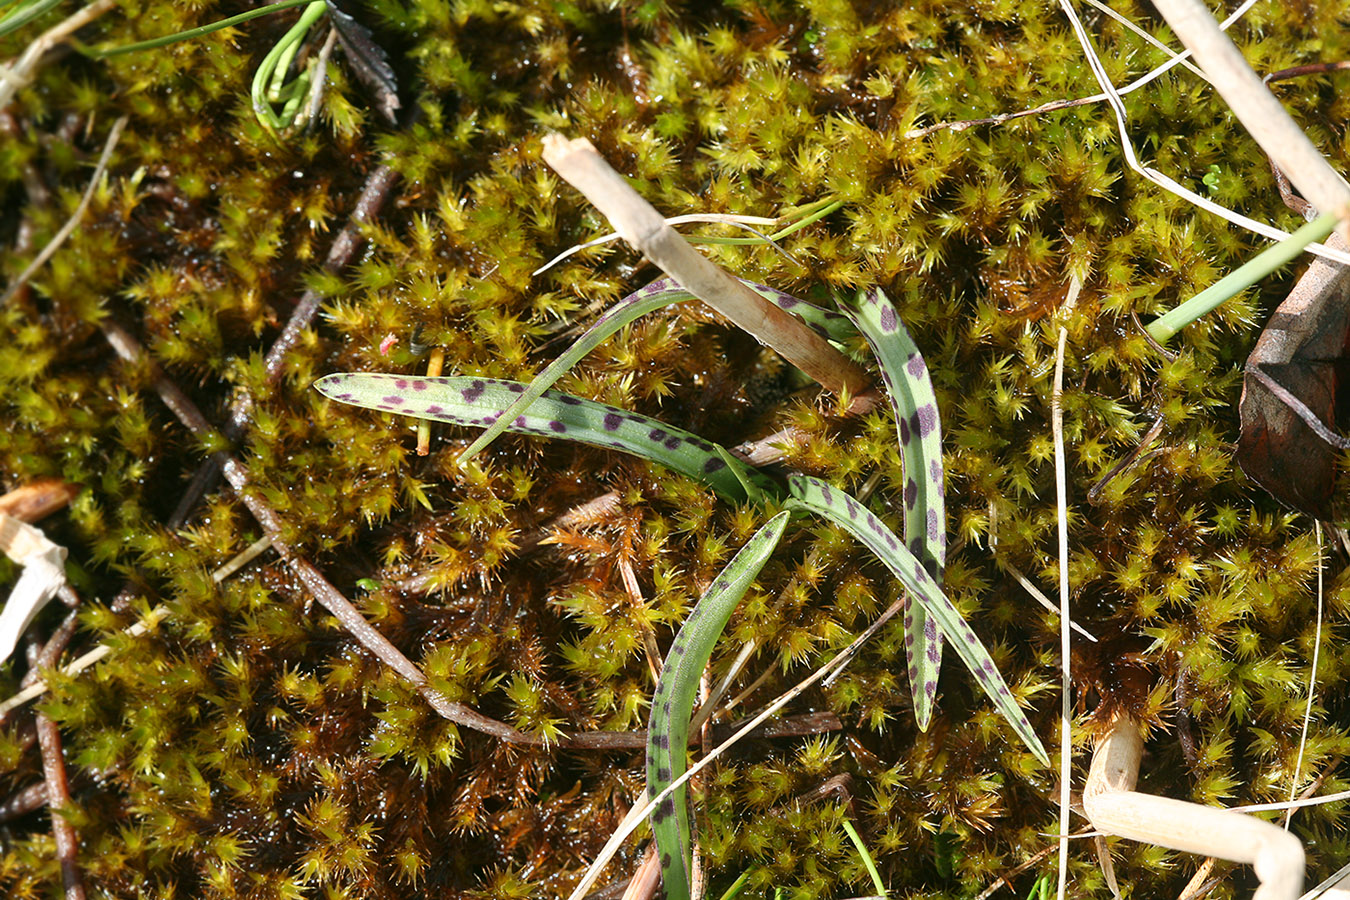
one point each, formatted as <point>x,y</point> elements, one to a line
<point>249,747</point>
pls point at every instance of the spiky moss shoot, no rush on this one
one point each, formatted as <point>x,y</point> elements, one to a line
<point>246,747</point>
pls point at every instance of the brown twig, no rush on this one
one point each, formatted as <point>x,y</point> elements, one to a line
<point>28,800</point>
<point>374,194</point>
<point>319,587</point>
<point>356,624</point>
<point>58,795</point>
<point>38,499</point>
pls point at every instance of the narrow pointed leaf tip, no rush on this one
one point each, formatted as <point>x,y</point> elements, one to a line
<point>914,402</point>
<point>673,703</point>
<point>479,402</point>
<point>837,506</point>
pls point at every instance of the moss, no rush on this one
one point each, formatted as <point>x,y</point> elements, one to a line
<point>247,747</point>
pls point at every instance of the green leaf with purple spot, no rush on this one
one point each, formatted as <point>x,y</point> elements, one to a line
<point>480,402</point>
<point>816,496</point>
<point>659,294</point>
<point>914,403</point>
<point>673,703</point>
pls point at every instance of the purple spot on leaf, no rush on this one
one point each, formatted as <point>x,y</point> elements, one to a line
<point>887,319</point>
<point>473,392</point>
<point>556,427</point>
<point>927,419</point>
<point>393,400</point>
<point>419,385</point>
<point>911,492</point>
<point>433,409</point>
<point>915,365</point>
<point>613,421</point>
<point>401,384</point>
<point>713,464</point>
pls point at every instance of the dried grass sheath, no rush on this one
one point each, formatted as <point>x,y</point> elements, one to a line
<point>1115,807</point>
<point>638,222</point>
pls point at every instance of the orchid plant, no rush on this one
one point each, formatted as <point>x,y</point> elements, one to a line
<point>916,558</point>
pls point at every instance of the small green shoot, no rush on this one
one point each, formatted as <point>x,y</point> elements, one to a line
<point>810,214</point>
<point>269,85</point>
<point>944,853</point>
<point>1212,178</point>
<point>673,703</point>
<point>866,858</point>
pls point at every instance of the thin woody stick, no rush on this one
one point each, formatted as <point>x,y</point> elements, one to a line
<point>1256,107</point>
<point>1114,806</point>
<point>638,222</point>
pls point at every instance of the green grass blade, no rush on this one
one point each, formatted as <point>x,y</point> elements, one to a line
<point>810,214</point>
<point>659,294</point>
<point>104,53</point>
<point>1163,328</point>
<point>21,15</point>
<point>737,886</point>
<point>479,402</point>
<point>673,703</point>
<point>868,862</point>
<point>914,403</point>
<point>816,496</point>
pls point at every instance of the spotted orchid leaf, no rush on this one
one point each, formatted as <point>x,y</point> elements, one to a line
<point>914,403</point>
<point>673,703</point>
<point>816,496</point>
<point>479,402</point>
<point>659,294</point>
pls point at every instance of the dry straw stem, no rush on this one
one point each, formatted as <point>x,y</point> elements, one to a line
<point>1256,107</point>
<point>1115,807</point>
<point>114,135</point>
<point>638,222</point>
<point>19,73</point>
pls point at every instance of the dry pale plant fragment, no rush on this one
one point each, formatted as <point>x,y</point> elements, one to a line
<point>44,573</point>
<point>1115,807</point>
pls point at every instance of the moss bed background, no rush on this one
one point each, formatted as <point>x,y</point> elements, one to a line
<point>248,746</point>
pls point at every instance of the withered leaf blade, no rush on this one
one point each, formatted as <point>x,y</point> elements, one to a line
<point>1296,393</point>
<point>367,59</point>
